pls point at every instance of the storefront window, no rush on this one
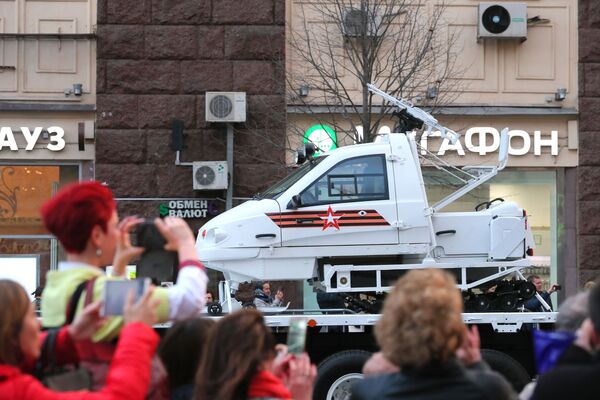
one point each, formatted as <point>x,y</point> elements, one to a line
<point>23,189</point>
<point>535,191</point>
<point>27,250</point>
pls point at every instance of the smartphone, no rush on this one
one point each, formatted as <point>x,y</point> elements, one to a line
<point>148,236</point>
<point>155,263</point>
<point>115,294</point>
<point>296,338</point>
<point>557,287</point>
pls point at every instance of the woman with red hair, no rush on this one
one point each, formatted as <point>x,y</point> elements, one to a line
<point>83,217</point>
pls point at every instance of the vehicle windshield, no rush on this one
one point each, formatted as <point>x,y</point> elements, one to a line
<point>274,191</point>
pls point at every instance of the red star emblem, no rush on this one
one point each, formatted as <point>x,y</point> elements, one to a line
<point>330,219</point>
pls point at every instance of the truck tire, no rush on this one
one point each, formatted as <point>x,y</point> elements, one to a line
<point>214,308</point>
<point>508,367</point>
<point>337,373</point>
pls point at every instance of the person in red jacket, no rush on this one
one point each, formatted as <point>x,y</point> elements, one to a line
<point>20,345</point>
<point>240,362</point>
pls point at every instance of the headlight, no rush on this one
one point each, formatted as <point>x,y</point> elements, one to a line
<point>215,236</point>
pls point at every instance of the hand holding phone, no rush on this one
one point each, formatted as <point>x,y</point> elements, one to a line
<point>125,251</point>
<point>296,338</point>
<point>116,291</point>
<point>156,262</point>
<point>144,310</point>
<point>300,378</point>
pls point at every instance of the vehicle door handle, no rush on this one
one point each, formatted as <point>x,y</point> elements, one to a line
<point>304,220</point>
<point>448,232</point>
<point>265,235</point>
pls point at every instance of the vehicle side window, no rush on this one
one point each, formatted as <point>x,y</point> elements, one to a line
<point>356,179</point>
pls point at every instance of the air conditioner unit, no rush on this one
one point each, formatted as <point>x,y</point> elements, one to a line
<point>502,20</point>
<point>355,21</point>
<point>226,106</point>
<point>210,175</point>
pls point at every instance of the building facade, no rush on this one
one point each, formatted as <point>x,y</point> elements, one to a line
<point>156,61</point>
<point>47,116</point>
<point>588,199</point>
<point>96,85</point>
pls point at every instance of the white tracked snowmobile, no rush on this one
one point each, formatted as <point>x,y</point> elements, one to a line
<point>353,220</point>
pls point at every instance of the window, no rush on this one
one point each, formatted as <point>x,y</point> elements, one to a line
<point>356,179</point>
<point>27,250</point>
<point>274,191</point>
<point>535,191</point>
<point>23,190</point>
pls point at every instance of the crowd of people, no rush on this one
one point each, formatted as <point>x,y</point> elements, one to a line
<point>119,354</point>
<point>427,352</point>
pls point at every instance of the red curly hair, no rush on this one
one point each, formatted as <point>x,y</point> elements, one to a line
<point>74,211</point>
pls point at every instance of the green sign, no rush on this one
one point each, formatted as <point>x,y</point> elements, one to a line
<point>321,136</point>
<point>188,209</point>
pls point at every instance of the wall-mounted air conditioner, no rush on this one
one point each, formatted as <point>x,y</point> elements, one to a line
<point>210,175</point>
<point>226,106</point>
<point>502,20</point>
<point>355,21</point>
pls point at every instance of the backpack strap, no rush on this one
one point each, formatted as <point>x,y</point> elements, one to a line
<point>88,286</point>
<point>47,357</point>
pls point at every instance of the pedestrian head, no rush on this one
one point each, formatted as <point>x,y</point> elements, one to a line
<point>238,346</point>
<point>19,326</point>
<point>573,312</point>
<point>266,288</point>
<point>589,284</point>
<point>83,217</point>
<point>181,348</point>
<point>209,297</point>
<point>421,323</point>
<point>537,282</point>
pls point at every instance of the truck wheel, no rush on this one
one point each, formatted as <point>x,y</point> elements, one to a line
<point>508,367</point>
<point>214,308</point>
<point>337,373</point>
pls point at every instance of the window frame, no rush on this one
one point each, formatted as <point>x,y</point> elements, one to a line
<point>361,197</point>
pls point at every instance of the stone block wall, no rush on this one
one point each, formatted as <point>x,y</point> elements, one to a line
<point>156,60</point>
<point>588,204</point>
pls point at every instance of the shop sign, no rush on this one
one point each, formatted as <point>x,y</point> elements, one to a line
<point>56,137</point>
<point>322,136</point>
<point>188,209</point>
<point>489,142</point>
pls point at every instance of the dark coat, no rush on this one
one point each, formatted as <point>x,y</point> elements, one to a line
<point>446,382</point>
<point>535,305</point>
<point>575,376</point>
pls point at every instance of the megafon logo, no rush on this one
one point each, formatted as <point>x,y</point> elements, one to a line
<point>56,138</point>
<point>485,145</point>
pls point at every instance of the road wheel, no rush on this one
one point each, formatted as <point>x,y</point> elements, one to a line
<point>214,308</point>
<point>508,367</point>
<point>337,373</point>
<point>526,289</point>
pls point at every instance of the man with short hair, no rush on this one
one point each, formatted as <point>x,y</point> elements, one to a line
<point>576,373</point>
<point>263,297</point>
<point>534,304</point>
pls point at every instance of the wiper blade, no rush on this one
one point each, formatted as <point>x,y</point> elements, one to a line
<point>257,196</point>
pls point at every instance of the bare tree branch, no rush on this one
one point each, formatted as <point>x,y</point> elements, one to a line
<point>337,47</point>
